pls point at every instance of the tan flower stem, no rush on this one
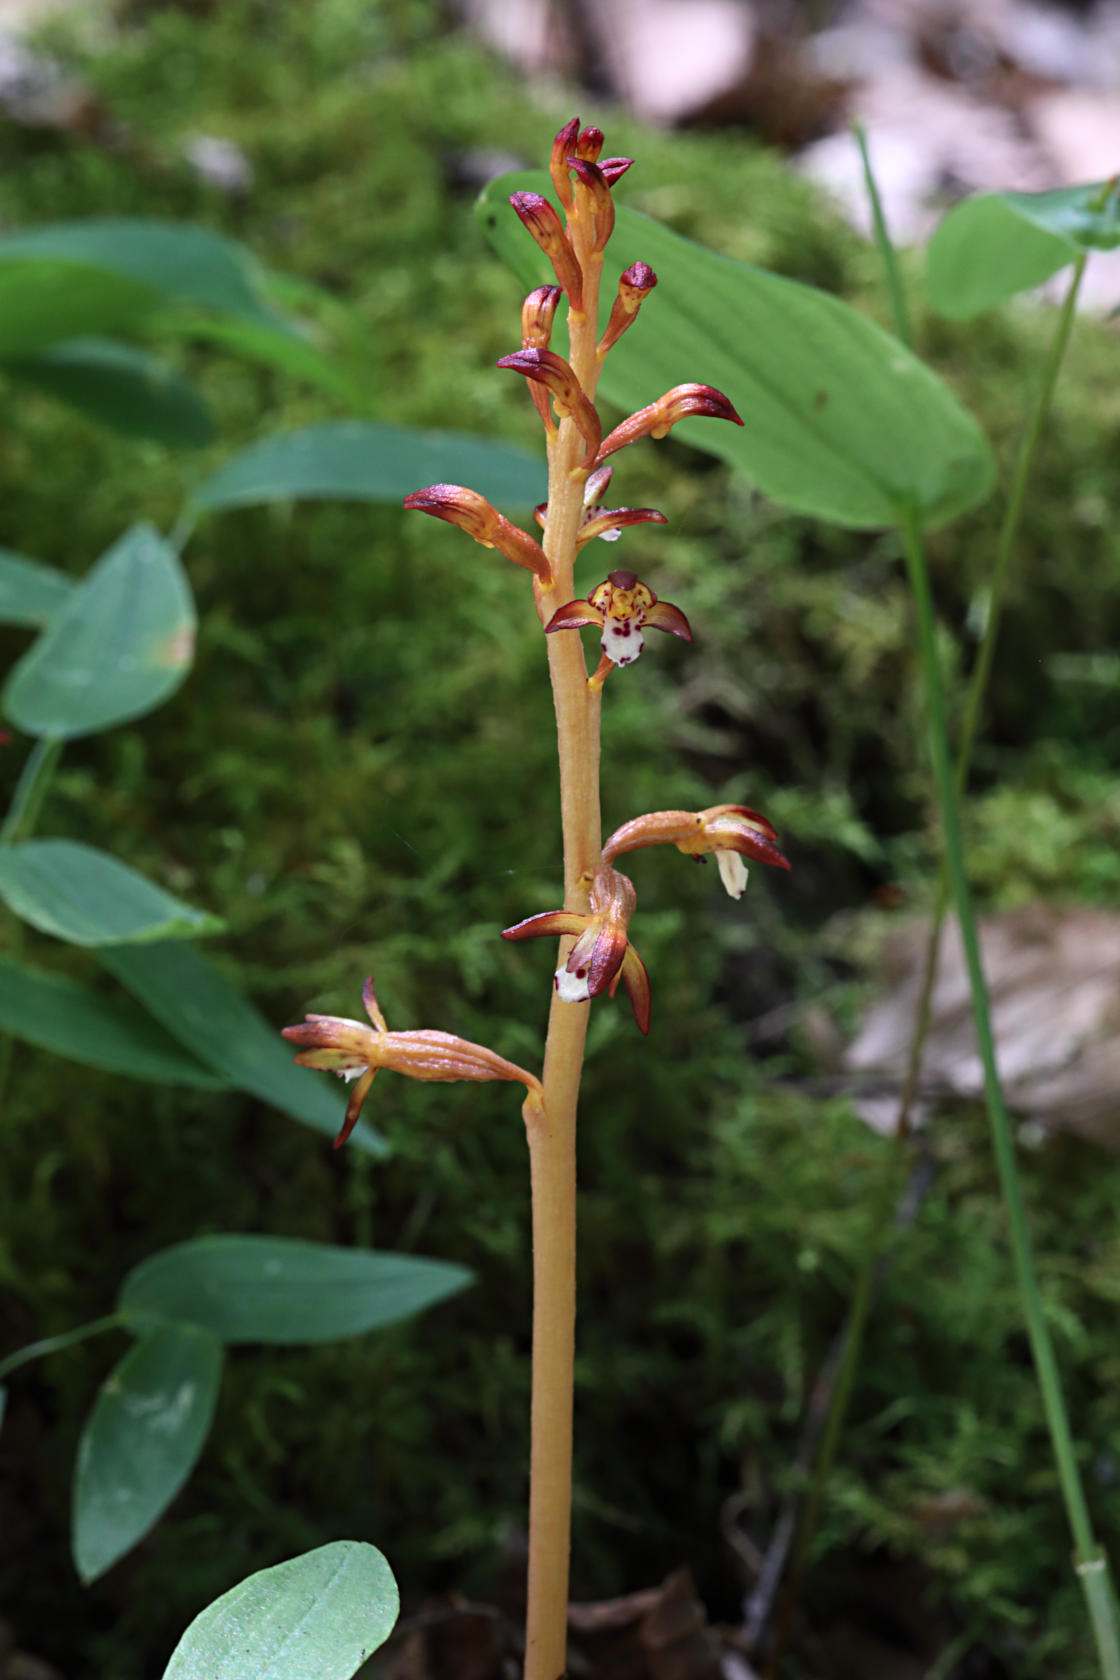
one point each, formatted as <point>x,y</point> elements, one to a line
<point>552,1140</point>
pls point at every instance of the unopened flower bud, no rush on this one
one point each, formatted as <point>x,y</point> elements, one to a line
<point>537,315</point>
<point>553,372</point>
<point>592,201</point>
<point>562,146</point>
<point>537,214</point>
<point>634,286</point>
<point>661,416</point>
<point>590,144</point>
<point>474,515</point>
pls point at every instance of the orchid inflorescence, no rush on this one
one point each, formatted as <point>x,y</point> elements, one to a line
<point>596,952</point>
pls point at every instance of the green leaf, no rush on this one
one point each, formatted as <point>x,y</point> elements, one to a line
<point>120,643</point>
<point>72,1020</point>
<point>362,461</point>
<point>984,252</point>
<point>841,421</point>
<point>73,278</point>
<point>316,1617</point>
<point>83,895</point>
<point>121,387</point>
<point>198,1005</point>
<point>141,1441</point>
<point>279,1290</point>
<point>29,591</point>
<point>996,244</point>
<point>286,351</point>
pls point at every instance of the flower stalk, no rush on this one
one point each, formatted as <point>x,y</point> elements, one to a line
<point>595,950</point>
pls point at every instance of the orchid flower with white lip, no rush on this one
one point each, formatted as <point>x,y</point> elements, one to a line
<point>602,954</point>
<point>732,832</point>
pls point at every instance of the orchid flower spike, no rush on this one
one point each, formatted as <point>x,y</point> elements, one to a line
<point>602,954</point>
<point>357,1052</point>
<point>622,605</point>
<point>732,832</point>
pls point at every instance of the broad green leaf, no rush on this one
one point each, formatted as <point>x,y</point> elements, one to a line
<point>840,420</point>
<point>363,461</point>
<point>72,278</point>
<point>141,1441</point>
<point>984,252</point>
<point>86,897</point>
<point>70,1019</point>
<point>287,351</point>
<point>121,643</point>
<point>316,1617</point>
<point>197,1004</point>
<point>276,1289</point>
<point>996,244</point>
<point>29,591</point>
<point>122,387</point>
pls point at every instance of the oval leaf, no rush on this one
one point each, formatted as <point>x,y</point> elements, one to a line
<point>279,1290</point>
<point>122,641</point>
<point>287,351</point>
<point>72,1020</point>
<point>841,421</point>
<point>318,1615</point>
<point>72,278</point>
<point>82,895</point>
<point>361,461</point>
<point>984,252</point>
<point>121,387</point>
<point>30,592</point>
<point>194,1001</point>
<point>142,1440</point>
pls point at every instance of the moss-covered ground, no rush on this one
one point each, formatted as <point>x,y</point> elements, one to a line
<point>358,776</point>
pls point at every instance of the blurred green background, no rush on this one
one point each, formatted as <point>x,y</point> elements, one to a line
<point>359,775</point>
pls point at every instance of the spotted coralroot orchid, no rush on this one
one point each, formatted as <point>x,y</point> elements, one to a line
<point>732,832</point>
<point>602,954</point>
<point>593,924</point>
<point>357,1053</point>
<point>622,606</point>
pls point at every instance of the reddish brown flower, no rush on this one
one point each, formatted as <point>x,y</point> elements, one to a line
<point>623,606</point>
<point>591,200</point>
<point>661,416</point>
<point>600,521</point>
<point>546,368</point>
<point>474,515</point>
<point>357,1052</point>
<point>602,954</point>
<point>537,214</point>
<point>732,832</point>
<point>537,315</point>
<point>634,286</point>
